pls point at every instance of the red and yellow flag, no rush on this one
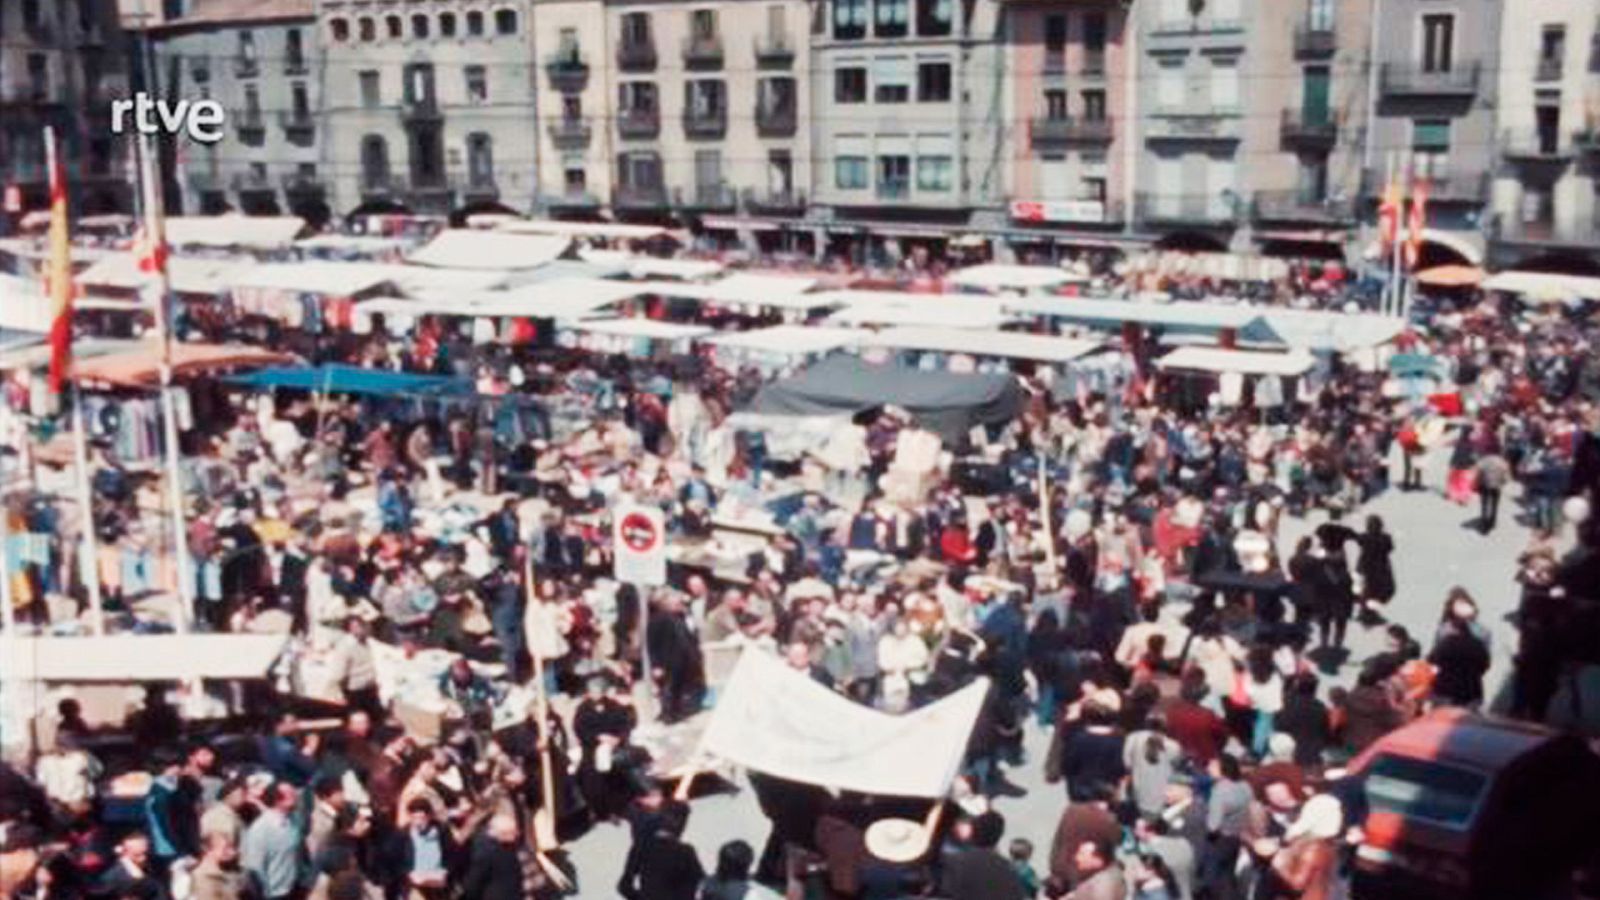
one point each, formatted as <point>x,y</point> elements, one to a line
<point>1417,224</point>
<point>1389,216</point>
<point>60,271</point>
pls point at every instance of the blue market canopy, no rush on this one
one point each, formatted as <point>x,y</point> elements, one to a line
<point>340,379</point>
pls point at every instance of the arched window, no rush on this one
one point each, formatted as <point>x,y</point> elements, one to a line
<point>447,25</point>
<point>395,26</point>
<point>368,30</point>
<point>505,21</point>
<point>419,26</point>
<point>475,24</point>
<point>339,29</point>
<point>374,162</point>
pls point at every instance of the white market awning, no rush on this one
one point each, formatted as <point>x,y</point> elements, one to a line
<point>561,298</point>
<point>641,328</point>
<point>135,658</point>
<point>775,720</point>
<point>742,289</point>
<point>1243,362</point>
<point>994,277</point>
<point>313,276</point>
<point>978,342</point>
<point>1310,329</point>
<point>605,230</point>
<point>253,232</point>
<point>465,248</point>
<point>188,274</point>
<point>655,267</point>
<point>789,340</point>
<point>1207,316</point>
<point>1546,287</point>
<point>891,308</point>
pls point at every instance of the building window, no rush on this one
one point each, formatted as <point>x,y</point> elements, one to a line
<point>703,24</point>
<point>447,25</point>
<point>1055,104</point>
<point>891,18</point>
<point>894,176</point>
<point>1430,148</point>
<point>395,26</point>
<point>935,173</point>
<point>294,47</point>
<point>933,82</point>
<point>850,85</point>
<point>480,159</point>
<point>1438,42</point>
<point>1093,189</point>
<point>707,170</point>
<point>850,173</point>
<point>935,17</point>
<point>891,79</point>
<point>505,21</point>
<point>780,173</point>
<point>1094,32</point>
<point>339,30</point>
<point>1094,105</point>
<point>39,75</point>
<point>1552,51</point>
<point>475,24</point>
<point>636,29</point>
<point>419,26</point>
<point>849,19</point>
<point>252,101</point>
<point>705,97</point>
<point>1321,15</point>
<point>1055,34</point>
<point>574,174</point>
<point>299,100</point>
<point>374,161</point>
<point>639,170</point>
<point>1224,85</point>
<point>371,97</point>
<point>637,96</point>
<point>776,96</point>
<point>477,84</point>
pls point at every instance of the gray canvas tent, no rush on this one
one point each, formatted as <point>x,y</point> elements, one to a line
<point>946,403</point>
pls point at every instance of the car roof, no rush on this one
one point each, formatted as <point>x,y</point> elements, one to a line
<point>1462,738</point>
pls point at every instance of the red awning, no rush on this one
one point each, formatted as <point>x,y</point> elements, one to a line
<point>139,367</point>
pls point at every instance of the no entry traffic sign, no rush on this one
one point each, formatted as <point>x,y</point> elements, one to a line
<point>639,537</point>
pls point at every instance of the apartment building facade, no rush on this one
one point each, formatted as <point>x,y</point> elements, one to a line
<point>909,113</point>
<point>688,111</point>
<point>429,106</point>
<point>262,63</point>
<point>1545,203</point>
<point>1437,113</point>
<point>1308,98</point>
<point>1070,124</point>
<point>61,66</point>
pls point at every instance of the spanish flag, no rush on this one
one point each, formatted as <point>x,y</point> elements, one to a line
<point>1389,211</point>
<point>1417,224</point>
<point>60,271</point>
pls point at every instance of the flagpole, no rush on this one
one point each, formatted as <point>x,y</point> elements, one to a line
<point>1402,177</point>
<point>90,570</point>
<point>1388,277</point>
<point>156,241</point>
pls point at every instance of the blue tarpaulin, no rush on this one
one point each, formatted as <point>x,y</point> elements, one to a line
<point>338,379</point>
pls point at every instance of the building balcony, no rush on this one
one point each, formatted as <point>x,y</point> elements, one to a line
<point>702,51</point>
<point>1545,233</point>
<point>1413,81</point>
<point>705,124</point>
<point>1057,131</point>
<point>570,200</point>
<point>1548,69</point>
<point>1314,41</point>
<point>712,198</point>
<point>421,109</point>
<point>1534,147</point>
<point>567,72</point>
<point>639,123</point>
<point>1183,210</point>
<point>640,198</point>
<point>252,125</point>
<point>570,133</point>
<point>774,203</point>
<point>779,122</point>
<point>774,52</point>
<point>1205,126</point>
<point>479,188</point>
<point>298,124</point>
<point>296,65</point>
<point>246,66</point>
<point>302,183</point>
<point>1450,188</point>
<point>894,191</point>
<point>1298,206</point>
<point>252,182</point>
<point>1317,131</point>
<point>636,55</point>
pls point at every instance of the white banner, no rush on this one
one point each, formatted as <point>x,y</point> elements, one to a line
<point>776,720</point>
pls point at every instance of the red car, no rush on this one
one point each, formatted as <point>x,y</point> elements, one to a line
<point>1465,806</point>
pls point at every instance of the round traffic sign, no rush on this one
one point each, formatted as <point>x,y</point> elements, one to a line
<point>638,531</point>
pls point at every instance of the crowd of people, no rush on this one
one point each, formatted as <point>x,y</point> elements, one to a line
<point>1115,566</point>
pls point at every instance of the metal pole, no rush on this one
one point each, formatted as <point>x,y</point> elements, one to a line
<point>1401,229</point>
<point>1130,100</point>
<point>1373,38</point>
<point>89,571</point>
<point>155,235</point>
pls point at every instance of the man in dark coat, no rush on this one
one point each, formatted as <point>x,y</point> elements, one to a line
<point>660,866</point>
<point>977,872</point>
<point>676,660</point>
<point>495,871</point>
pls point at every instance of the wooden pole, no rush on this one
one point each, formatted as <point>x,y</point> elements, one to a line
<point>544,819</point>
